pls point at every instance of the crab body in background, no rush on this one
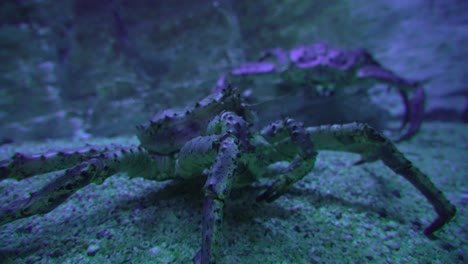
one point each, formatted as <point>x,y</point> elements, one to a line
<point>324,70</point>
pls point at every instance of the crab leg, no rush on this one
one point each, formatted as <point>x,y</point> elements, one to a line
<point>372,146</point>
<point>22,166</point>
<point>302,153</point>
<point>219,151</point>
<point>95,169</point>
<point>414,114</point>
<point>55,192</point>
<point>414,107</point>
<point>222,152</point>
<point>216,189</point>
<point>278,136</point>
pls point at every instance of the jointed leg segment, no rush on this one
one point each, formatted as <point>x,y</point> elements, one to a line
<point>217,187</point>
<point>291,140</point>
<point>94,166</point>
<point>372,145</point>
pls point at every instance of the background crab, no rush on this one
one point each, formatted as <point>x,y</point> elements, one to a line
<point>213,138</point>
<point>321,69</point>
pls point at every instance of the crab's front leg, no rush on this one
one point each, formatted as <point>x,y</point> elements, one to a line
<point>217,187</point>
<point>218,151</point>
<point>372,146</point>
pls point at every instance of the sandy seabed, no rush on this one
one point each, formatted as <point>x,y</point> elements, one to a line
<point>339,213</point>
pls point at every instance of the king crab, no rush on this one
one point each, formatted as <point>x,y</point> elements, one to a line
<point>212,139</point>
<point>328,69</point>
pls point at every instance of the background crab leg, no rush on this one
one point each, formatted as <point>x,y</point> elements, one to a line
<point>372,146</point>
<point>414,107</point>
<point>414,114</point>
